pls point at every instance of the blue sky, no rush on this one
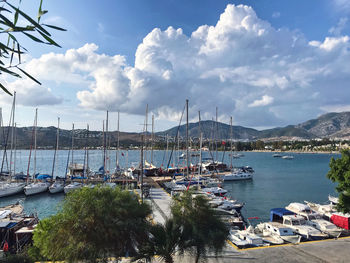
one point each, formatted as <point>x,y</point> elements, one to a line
<point>267,78</point>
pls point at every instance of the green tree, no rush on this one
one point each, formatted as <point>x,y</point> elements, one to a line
<point>11,51</point>
<point>340,173</point>
<point>94,224</point>
<point>202,231</point>
<point>163,241</point>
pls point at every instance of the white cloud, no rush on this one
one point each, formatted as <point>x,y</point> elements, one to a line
<point>232,65</point>
<point>342,5</point>
<point>337,30</point>
<point>264,101</point>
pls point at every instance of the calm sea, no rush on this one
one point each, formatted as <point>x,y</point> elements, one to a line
<point>276,183</point>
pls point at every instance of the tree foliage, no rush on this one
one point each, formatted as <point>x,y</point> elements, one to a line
<point>202,231</point>
<point>11,51</point>
<point>340,173</point>
<point>94,224</point>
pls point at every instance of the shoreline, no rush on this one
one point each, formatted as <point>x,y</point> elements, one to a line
<point>298,152</point>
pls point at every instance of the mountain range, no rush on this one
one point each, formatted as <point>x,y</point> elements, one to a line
<point>330,125</point>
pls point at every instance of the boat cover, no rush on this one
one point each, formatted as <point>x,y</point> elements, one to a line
<point>43,176</point>
<point>279,212</point>
<point>340,220</point>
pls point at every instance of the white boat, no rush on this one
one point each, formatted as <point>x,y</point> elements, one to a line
<point>325,210</point>
<point>314,219</point>
<point>72,186</point>
<point>36,188</point>
<point>215,190</point>
<point>277,155</point>
<point>288,157</point>
<point>333,199</point>
<point>8,189</point>
<point>56,187</point>
<point>300,227</point>
<point>246,238</point>
<point>236,176</point>
<point>275,229</point>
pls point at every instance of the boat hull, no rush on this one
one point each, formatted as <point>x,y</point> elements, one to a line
<point>11,190</point>
<point>35,190</point>
<point>56,189</point>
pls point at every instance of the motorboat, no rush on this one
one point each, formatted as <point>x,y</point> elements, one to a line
<point>275,229</point>
<point>267,236</point>
<point>334,200</point>
<point>236,176</point>
<point>315,219</point>
<point>277,155</point>
<point>325,210</point>
<point>300,227</point>
<point>215,190</point>
<point>8,189</point>
<point>288,157</point>
<point>246,238</point>
<point>56,187</point>
<point>230,217</point>
<point>36,188</point>
<point>72,186</point>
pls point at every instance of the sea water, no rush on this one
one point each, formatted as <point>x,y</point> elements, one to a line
<point>276,182</point>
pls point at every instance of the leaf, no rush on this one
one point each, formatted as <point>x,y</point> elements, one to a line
<point>9,72</point>
<point>33,37</point>
<point>30,19</point>
<point>49,39</point>
<point>4,9</point>
<point>29,76</point>
<point>16,18</point>
<point>4,89</point>
<point>19,53</point>
<point>6,21</point>
<point>55,27</point>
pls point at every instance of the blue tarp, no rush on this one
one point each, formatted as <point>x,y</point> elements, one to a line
<point>43,176</point>
<point>279,212</point>
<point>79,177</point>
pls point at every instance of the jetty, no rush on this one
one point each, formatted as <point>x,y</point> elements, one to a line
<point>328,250</point>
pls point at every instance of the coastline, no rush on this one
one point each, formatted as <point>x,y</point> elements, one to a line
<point>298,152</point>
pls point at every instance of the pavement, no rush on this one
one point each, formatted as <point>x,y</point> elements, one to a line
<point>330,250</point>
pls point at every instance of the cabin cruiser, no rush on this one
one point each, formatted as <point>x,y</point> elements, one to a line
<point>236,176</point>
<point>72,186</point>
<point>325,210</point>
<point>224,203</point>
<point>8,189</point>
<point>244,238</point>
<point>215,190</point>
<point>275,229</point>
<point>300,226</point>
<point>36,188</point>
<point>314,219</point>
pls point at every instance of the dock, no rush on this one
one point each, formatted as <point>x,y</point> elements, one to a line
<point>325,251</point>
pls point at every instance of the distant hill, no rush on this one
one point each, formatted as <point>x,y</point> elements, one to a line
<point>330,125</point>
<point>210,128</point>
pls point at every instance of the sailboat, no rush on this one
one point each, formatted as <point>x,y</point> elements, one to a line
<point>11,188</point>
<point>57,186</point>
<point>37,187</point>
<point>72,171</point>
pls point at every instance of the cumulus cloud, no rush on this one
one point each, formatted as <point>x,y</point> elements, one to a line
<point>233,65</point>
<point>342,5</point>
<point>264,101</point>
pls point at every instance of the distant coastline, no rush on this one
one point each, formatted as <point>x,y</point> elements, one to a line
<point>298,152</point>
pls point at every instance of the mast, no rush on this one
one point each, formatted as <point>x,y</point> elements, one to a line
<point>106,143</point>
<point>187,153</point>
<point>104,146</point>
<point>231,140</point>
<point>15,150</point>
<point>216,134</point>
<point>35,125</point>
<point>145,137</point>
<point>73,144</point>
<point>56,149</point>
<point>12,130</point>
<point>87,150</point>
<point>200,142</point>
<point>141,171</point>
<point>152,138</point>
<point>117,153</point>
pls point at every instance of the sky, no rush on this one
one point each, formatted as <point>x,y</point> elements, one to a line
<point>266,63</point>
